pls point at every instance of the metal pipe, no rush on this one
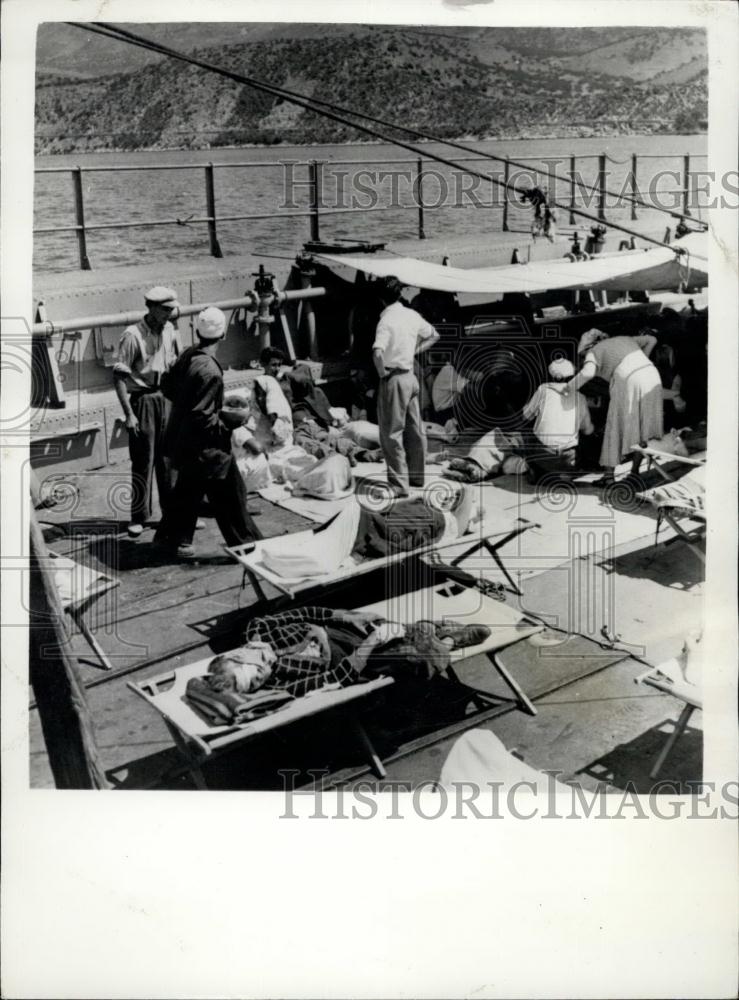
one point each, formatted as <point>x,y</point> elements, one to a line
<point>210,205</point>
<point>315,198</point>
<point>602,186</point>
<point>143,224</point>
<point>419,198</point>
<point>79,205</point>
<point>686,188</point>
<point>573,203</point>
<point>249,301</point>
<point>506,180</point>
<point>634,186</point>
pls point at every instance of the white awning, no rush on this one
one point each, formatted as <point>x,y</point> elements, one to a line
<point>630,270</point>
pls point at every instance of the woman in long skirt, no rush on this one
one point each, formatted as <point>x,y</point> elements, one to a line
<point>635,409</point>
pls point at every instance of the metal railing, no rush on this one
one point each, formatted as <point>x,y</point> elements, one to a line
<point>317,209</point>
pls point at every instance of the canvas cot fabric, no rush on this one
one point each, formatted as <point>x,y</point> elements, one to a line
<point>320,553</point>
<point>635,409</point>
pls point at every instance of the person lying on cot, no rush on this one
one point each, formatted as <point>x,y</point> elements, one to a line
<point>357,533</point>
<point>307,649</point>
<point>317,428</point>
<point>487,458</point>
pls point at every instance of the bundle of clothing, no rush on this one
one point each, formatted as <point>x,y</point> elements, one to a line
<point>291,654</point>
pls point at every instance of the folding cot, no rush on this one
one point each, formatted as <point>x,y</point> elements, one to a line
<point>679,502</point>
<point>200,741</point>
<point>249,556</point>
<point>666,678</point>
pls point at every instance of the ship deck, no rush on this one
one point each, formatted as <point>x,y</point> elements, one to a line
<point>593,722</point>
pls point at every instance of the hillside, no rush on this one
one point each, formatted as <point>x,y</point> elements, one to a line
<point>475,83</point>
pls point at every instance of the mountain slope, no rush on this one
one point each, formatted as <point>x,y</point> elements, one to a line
<point>429,80</point>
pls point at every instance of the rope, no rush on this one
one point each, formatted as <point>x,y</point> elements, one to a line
<point>109,31</point>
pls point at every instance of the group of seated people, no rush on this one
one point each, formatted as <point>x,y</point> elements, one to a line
<point>292,435</point>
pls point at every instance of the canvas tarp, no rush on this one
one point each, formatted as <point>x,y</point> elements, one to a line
<point>631,270</point>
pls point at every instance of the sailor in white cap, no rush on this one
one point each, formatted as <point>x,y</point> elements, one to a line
<point>559,419</point>
<point>198,443</point>
<point>146,353</point>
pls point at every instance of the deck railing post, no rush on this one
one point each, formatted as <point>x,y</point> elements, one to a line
<point>79,205</point>
<point>573,200</point>
<point>210,208</point>
<point>419,198</point>
<point>634,186</point>
<point>602,186</point>
<point>314,168</point>
<point>686,185</point>
<point>506,180</point>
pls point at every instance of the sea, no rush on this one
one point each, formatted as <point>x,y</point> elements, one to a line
<point>368,193</point>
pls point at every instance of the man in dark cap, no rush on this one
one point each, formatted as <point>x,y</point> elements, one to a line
<point>146,353</point>
<point>198,442</point>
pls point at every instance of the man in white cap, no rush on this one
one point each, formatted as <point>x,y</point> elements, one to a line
<point>558,421</point>
<point>198,443</point>
<point>146,353</point>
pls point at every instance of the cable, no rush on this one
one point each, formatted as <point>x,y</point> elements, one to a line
<point>311,105</point>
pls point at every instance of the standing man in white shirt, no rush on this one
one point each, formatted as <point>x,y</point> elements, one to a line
<point>401,334</point>
<point>146,353</point>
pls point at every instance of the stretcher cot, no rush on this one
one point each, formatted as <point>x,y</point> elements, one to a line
<point>664,678</point>
<point>200,741</point>
<point>79,587</point>
<point>249,556</point>
<point>680,502</point>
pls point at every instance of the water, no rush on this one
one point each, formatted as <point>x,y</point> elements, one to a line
<point>465,207</point>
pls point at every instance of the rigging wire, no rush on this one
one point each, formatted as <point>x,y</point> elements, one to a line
<point>110,31</point>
